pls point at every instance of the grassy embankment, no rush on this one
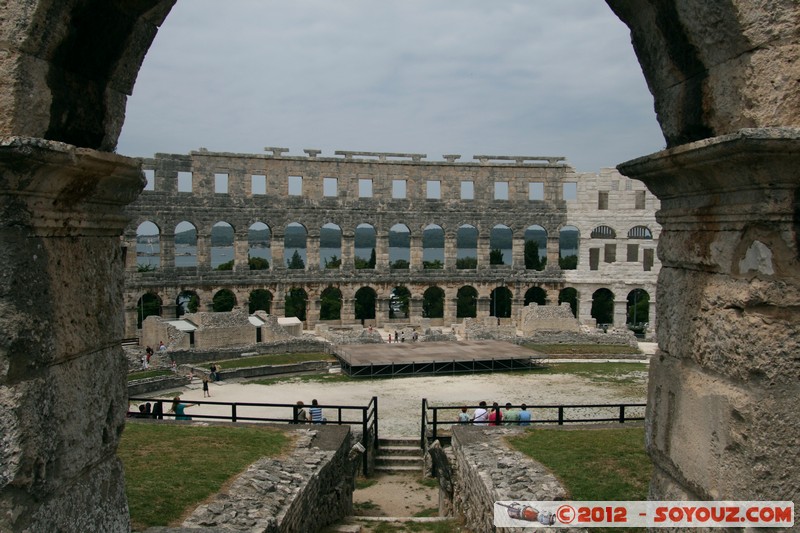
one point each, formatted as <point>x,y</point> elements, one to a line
<point>171,468</point>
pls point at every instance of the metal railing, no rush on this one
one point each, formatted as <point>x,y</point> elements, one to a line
<point>431,420</point>
<point>365,416</point>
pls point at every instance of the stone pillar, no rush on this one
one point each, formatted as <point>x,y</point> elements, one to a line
<point>203,250</point>
<point>167,244</point>
<point>722,396</point>
<point>382,252</point>
<point>277,253</point>
<point>62,382</point>
<point>483,252</point>
<point>450,251</point>
<point>312,252</point>
<point>416,253</point>
<point>553,246</point>
<point>278,307</point>
<point>651,317</point>
<point>518,253</point>
<point>129,245</point>
<point>381,311</point>
<point>585,308</point>
<point>313,305</point>
<point>620,311</point>
<point>450,311</point>
<point>483,309</point>
<point>241,252</point>
<point>415,309</point>
<point>348,313</point>
<point>348,252</point>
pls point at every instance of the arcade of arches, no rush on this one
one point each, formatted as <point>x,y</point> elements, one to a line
<point>722,418</point>
<point>306,237</point>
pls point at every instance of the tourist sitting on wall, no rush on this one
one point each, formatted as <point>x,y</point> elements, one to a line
<point>316,413</point>
<point>300,415</point>
<point>463,416</point>
<point>180,409</point>
<point>511,416</point>
<point>481,415</point>
<point>495,415</point>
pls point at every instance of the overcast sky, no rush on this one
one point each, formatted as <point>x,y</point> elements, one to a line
<point>528,77</point>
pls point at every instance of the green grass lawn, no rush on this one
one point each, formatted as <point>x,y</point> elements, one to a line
<point>583,349</point>
<point>171,468</point>
<point>593,464</point>
<point>276,359</point>
<point>144,374</point>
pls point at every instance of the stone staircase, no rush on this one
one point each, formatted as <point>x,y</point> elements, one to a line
<point>398,455</point>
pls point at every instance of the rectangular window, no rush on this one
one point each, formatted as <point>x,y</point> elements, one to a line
<point>633,253</point>
<point>150,176</point>
<point>594,258</point>
<point>647,259</point>
<point>221,183</point>
<point>501,190</point>
<point>433,190</point>
<point>536,192</point>
<point>365,188</point>
<point>258,184</point>
<point>184,182</point>
<point>628,185</point>
<point>640,199</point>
<point>399,189</point>
<point>295,185</point>
<point>330,187</point>
<point>570,191</point>
<point>611,253</point>
<point>602,200</point>
<point>467,190</point>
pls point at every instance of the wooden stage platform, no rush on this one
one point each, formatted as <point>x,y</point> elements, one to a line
<point>367,360</point>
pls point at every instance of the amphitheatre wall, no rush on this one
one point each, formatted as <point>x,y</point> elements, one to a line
<point>613,217</point>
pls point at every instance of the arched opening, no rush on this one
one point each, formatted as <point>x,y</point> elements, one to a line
<point>186,302</point>
<point>185,245</point>
<point>500,244</point>
<point>500,302</point>
<point>467,302</point>
<point>399,247</point>
<point>294,245</point>
<point>535,247</point>
<point>223,301</point>
<point>638,310</point>
<point>365,242</point>
<point>399,302</point>
<point>295,303</point>
<point>603,232</point>
<point>568,239</point>
<point>433,303</point>
<point>148,305</point>
<point>466,247</point>
<point>640,232</point>
<point>536,295</point>
<point>330,304</point>
<point>260,300</point>
<point>330,247</point>
<point>259,252</point>
<point>432,247</point>
<point>365,299</point>
<point>222,246</point>
<point>569,295</point>
<point>603,307</point>
<point>148,246</point>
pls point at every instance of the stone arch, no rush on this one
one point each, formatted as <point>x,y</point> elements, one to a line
<point>466,247</point>
<point>365,303</point>
<point>399,246</point>
<point>223,301</point>
<point>259,239</point>
<point>569,238</point>
<point>148,246</point>
<point>399,302</point>
<point>330,247</point>
<point>500,245</point>
<point>637,310</point>
<point>330,304</point>
<point>467,302</point>
<point>500,302</point>
<point>536,295</point>
<point>569,295</point>
<point>296,303</point>
<point>185,245</point>
<point>432,247</point>
<point>603,232</point>
<point>187,301</point>
<point>222,241</point>
<point>365,241</point>
<point>603,306</point>
<point>535,238</point>
<point>640,232</point>
<point>259,300</point>
<point>148,305</point>
<point>295,242</point>
<point>433,302</point>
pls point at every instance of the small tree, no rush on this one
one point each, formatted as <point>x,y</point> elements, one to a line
<point>432,265</point>
<point>400,264</point>
<point>532,259</point>
<point>296,262</point>
<point>334,263</point>
<point>467,262</point>
<point>258,263</point>
<point>496,257</point>
<point>226,266</point>
<point>372,259</point>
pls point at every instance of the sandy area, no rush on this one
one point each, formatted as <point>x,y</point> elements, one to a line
<point>399,399</point>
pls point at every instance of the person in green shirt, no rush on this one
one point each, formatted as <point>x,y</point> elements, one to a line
<point>511,416</point>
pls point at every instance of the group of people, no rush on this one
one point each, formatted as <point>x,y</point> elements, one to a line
<point>313,415</point>
<point>402,337</point>
<point>495,416</point>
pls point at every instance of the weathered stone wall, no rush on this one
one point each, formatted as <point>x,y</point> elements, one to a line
<point>535,318</point>
<point>305,490</point>
<point>294,345</point>
<point>616,261</point>
<point>486,469</point>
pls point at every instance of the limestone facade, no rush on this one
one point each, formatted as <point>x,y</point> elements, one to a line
<point>613,216</point>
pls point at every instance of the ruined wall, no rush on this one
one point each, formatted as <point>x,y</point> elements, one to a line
<point>540,192</point>
<point>535,318</point>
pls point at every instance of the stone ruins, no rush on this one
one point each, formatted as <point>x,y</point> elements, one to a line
<point>722,421</point>
<point>432,226</point>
